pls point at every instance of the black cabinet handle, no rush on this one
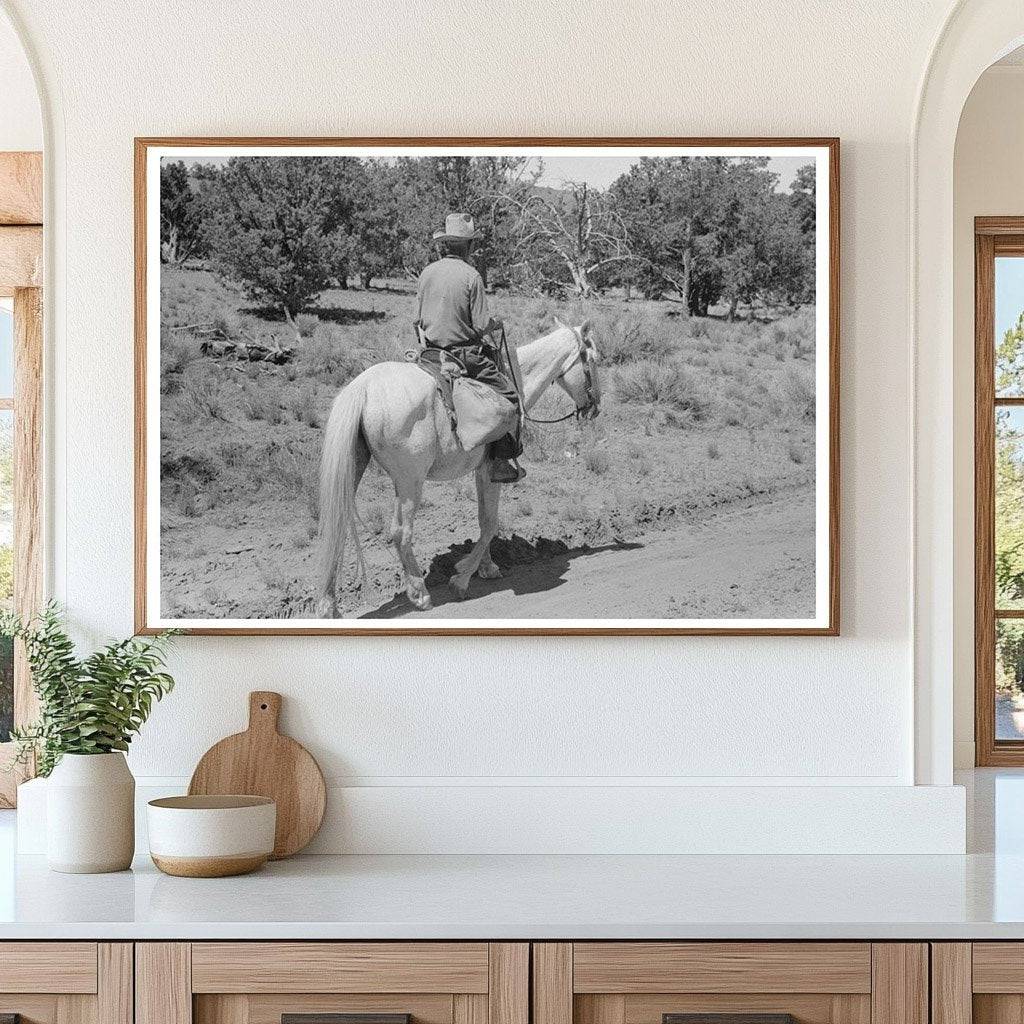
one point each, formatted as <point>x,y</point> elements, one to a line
<point>336,1018</point>
<point>728,1018</point>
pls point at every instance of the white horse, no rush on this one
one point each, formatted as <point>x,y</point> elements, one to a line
<point>393,413</point>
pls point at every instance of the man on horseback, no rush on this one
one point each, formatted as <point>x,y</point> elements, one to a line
<point>452,315</point>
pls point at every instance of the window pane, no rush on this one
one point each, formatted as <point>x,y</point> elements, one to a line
<point>1009,323</point>
<point>1009,679</point>
<point>6,348</point>
<point>1009,537</point>
<point>6,567</point>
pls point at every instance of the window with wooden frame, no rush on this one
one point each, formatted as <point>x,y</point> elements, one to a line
<point>21,365</point>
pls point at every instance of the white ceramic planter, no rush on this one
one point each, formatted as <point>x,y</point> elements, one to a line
<point>90,814</point>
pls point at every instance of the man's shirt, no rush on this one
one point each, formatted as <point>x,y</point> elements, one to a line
<point>452,306</point>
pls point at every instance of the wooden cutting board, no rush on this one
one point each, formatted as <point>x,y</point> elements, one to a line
<point>262,762</point>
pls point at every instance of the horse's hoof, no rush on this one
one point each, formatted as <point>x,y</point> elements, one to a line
<point>489,572</point>
<point>460,587</point>
<point>419,596</point>
<point>326,609</point>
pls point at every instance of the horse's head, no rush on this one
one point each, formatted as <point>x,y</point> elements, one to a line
<point>580,379</point>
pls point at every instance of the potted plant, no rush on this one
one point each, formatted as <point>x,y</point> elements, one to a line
<point>89,710</point>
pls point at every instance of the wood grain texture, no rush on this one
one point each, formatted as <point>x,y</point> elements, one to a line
<point>21,188</point>
<point>722,967</point>
<point>599,1009</point>
<point>899,988</point>
<point>21,258</point>
<point>997,967</point>
<point>851,1009</point>
<point>76,1009</point>
<point>143,143</point>
<point>508,989</point>
<point>984,503</point>
<point>32,1009</point>
<point>225,1009</point>
<point>263,1008</point>
<point>552,983</point>
<point>163,983</point>
<point>467,1008</point>
<point>64,967</point>
<point>998,1009</point>
<point>339,967</point>
<point>806,1008</point>
<point>262,762</point>
<point>951,983</point>
<point>115,983</point>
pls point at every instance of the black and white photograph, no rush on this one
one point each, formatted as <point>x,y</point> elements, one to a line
<point>467,387</point>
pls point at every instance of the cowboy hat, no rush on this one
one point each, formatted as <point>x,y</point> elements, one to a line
<point>458,226</point>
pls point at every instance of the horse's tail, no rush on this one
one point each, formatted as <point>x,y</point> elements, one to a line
<point>340,473</point>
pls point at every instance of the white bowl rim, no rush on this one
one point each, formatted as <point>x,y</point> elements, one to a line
<point>212,802</point>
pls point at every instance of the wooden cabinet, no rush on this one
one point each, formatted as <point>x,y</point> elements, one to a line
<point>980,982</point>
<point>815,982</point>
<point>260,982</point>
<point>66,982</point>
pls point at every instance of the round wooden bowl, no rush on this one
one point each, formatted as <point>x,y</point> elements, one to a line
<point>211,836</point>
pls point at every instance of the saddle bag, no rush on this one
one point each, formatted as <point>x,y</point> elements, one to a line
<point>481,414</point>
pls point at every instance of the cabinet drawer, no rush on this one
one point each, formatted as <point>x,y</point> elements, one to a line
<point>630,967</point>
<point>340,967</point>
<point>66,982</point>
<point>750,982</point>
<point>262,982</point>
<point>48,967</point>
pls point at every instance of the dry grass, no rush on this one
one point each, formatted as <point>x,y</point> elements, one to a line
<point>696,413</point>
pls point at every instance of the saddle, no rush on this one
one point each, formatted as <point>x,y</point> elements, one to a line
<point>445,368</point>
<point>477,413</point>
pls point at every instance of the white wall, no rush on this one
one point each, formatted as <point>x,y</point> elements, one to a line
<point>446,713</point>
<point>988,181</point>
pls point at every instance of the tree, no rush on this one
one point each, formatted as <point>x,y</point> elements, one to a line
<point>281,226</point>
<point>429,188</point>
<point>567,237</point>
<point>181,213</point>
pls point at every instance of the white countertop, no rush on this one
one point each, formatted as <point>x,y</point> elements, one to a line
<point>532,897</point>
<point>978,896</point>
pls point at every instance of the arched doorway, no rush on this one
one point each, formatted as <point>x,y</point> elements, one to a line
<point>975,35</point>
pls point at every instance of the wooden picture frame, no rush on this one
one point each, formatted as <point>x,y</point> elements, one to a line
<point>827,567</point>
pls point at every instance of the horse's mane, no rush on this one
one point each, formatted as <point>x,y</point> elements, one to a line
<point>531,353</point>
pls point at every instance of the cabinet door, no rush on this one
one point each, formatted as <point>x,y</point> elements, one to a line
<point>981,982</point>
<point>737,982</point>
<point>332,983</point>
<point>66,982</point>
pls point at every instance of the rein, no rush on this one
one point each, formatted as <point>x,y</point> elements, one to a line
<point>579,410</point>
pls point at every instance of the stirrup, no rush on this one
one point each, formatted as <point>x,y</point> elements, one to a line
<point>506,471</point>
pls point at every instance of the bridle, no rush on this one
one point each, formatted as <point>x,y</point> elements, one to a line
<point>583,358</point>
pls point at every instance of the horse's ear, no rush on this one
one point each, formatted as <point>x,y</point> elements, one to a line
<point>585,328</point>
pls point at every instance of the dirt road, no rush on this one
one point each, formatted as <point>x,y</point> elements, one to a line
<point>750,562</point>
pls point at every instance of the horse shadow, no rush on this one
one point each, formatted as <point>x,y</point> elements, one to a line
<point>528,568</point>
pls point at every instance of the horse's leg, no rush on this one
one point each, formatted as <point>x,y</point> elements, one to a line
<point>407,501</point>
<point>487,496</point>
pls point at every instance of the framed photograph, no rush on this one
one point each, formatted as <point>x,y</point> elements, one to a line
<point>487,386</point>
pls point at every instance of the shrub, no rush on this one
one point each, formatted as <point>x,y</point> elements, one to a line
<point>329,357</point>
<point>596,459</point>
<point>306,324</point>
<point>671,386</point>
